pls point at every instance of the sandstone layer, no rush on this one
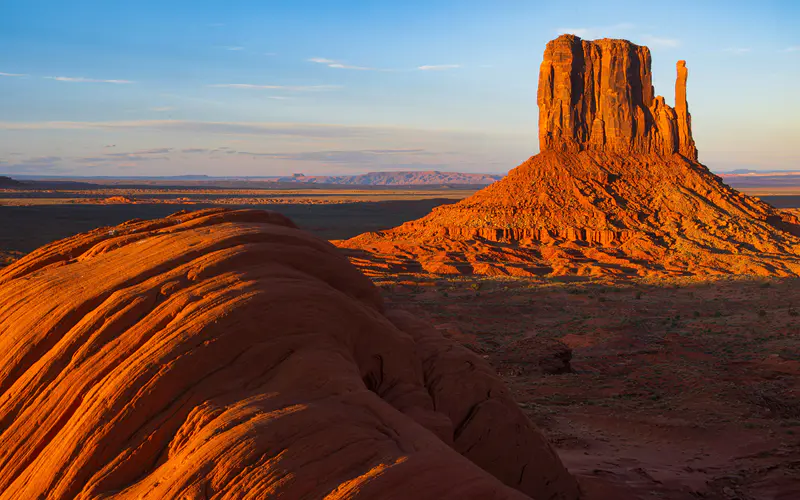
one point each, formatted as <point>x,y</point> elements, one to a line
<point>617,189</point>
<point>227,354</point>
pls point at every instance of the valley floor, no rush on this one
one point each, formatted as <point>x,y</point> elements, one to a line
<point>679,389</point>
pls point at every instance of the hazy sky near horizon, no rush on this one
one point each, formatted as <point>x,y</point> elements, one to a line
<point>259,88</point>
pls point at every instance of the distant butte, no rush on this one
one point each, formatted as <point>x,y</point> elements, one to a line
<point>616,190</point>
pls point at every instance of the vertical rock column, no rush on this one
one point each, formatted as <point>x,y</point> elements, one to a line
<point>685,141</point>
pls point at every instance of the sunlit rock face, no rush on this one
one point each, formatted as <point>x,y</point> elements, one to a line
<point>598,95</point>
<point>228,354</point>
<point>616,190</point>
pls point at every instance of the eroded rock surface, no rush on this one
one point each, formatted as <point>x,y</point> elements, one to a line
<point>227,354</point>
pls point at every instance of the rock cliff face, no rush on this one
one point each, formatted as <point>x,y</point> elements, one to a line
<point>599,96</point>
<point>617,189</point>
<point>223,354</point>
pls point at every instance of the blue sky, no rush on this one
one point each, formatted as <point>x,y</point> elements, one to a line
<point>274,87</point>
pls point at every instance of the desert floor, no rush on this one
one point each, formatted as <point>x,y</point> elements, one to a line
<point>678,389</point>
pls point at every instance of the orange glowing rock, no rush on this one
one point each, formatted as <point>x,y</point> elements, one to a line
<point>227,354</point>
<point>617,190</point>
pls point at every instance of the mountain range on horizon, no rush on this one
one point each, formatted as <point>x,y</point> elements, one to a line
<point>734,178</point>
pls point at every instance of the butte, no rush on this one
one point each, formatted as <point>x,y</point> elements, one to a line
<point>617,189</point>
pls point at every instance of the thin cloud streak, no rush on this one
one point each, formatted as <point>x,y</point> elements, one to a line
<point>17,75</point>
<point>263,129</point>
<point>738,50</point>
<point>661,42</point>
<point>349,156</point>
<point>81,79</point>
<point>438,67</point>
<point>339,65</point>
<point>595,31</point>
<point>291,88</point>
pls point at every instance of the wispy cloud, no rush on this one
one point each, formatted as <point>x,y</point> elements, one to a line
<point>233,48</point>
<point>596,31</point>
<point>351,156</point>
<point>154,151</point>
<point>263,129</point>
<point>32,165</point>
<point>339,65</point>
<point>738,50</point>
<point>81,79</point>
<point>333,63</point>
<point>438,67</point>
<point>131,156</point>
<point>195,150</point>
<point>793,48</point>
<point>162,109</point>
<point>12,74</point>
<point>225,128</point>
<point>291,88</point>
<point>656,41</point>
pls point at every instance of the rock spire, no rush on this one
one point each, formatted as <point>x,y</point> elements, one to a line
<point>599,96</point>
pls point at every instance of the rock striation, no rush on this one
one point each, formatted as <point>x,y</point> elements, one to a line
<point>598,96</point>
<point>616,190</point>
<point>227,354</point>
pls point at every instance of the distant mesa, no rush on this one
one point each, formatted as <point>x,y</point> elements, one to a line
<point>616,190</point>
<point>227,354</point>
<point>399,178</point>
<point>8,182</point>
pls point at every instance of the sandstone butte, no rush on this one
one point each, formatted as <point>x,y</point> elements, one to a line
<point>228,354</point>
<point>616,190</point>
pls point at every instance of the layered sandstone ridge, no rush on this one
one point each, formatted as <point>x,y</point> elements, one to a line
<point>598,95</point>
<point>227,354</point>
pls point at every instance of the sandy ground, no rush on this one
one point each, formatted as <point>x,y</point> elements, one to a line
<point>679,389</point>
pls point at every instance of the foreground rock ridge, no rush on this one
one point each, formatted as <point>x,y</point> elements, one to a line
<point>616,190</point>
<point>599,96</point>
<point>227,354</point>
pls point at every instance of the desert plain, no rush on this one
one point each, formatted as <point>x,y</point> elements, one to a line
<point>672,388</point>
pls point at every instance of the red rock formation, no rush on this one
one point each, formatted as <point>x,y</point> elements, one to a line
<point>616,190</point>
<point>599,96</point>
<point>223,354</point>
